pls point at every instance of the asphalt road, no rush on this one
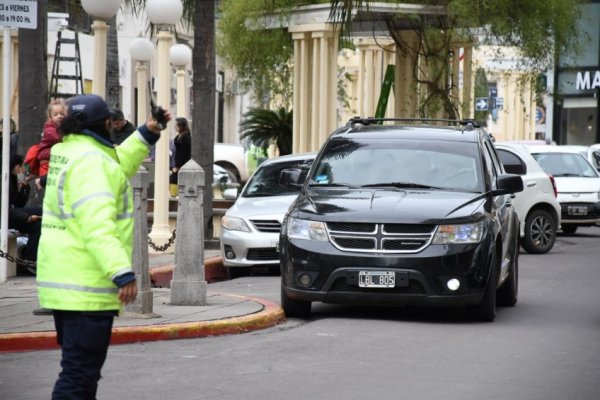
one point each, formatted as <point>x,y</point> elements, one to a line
<point>547,347</point>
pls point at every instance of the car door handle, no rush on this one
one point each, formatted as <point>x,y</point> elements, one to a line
<point>531,184</point>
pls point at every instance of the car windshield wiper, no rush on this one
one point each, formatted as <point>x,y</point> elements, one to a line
<point>410,185</point>
<point>333,184</point>
<point>568,174</point>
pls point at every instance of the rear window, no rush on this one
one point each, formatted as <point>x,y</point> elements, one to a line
<point>565,165</point>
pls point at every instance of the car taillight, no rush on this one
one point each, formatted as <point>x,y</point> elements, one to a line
<point>553,185</point>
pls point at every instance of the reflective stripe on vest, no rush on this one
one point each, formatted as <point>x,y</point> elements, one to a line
<point>78,288</point>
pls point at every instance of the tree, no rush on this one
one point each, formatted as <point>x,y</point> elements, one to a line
<point>113,86</point>
<point>265,127</point>
<point>33,64</point>
<point>538,28</point>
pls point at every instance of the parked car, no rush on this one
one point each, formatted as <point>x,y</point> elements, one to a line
<point>402,214</point>
<point>592,153</point>
<point>232,158</point>
<point>577,183</point>
<point>537,205</point>
<point>250,233</point>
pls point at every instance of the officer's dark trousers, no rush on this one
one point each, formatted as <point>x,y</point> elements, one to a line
<point>84,338</point>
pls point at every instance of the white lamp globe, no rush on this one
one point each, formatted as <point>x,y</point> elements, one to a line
<point>104,9</point>
<point>141,49</point>
<point>181,55</point>
<point>164,12</point>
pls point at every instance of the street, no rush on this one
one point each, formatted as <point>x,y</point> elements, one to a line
<point>547,347</point>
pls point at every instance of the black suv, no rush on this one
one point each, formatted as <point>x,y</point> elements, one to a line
<point>408,213</point>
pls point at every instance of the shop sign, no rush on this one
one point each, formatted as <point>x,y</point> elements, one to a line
<point>588,80</point>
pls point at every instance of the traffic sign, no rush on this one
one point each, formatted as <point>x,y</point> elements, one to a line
<point>500,103</point>
<point>481,104</point>
<point>18,13</point>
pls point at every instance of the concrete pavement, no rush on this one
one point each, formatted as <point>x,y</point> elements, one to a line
<point>21,330</point>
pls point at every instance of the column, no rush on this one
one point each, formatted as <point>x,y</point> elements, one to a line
<point>467,82</point>
<point>315,85</point>
<point>100,29</point>
<point>405,83</point>
<point>160,226</point>
<point>141,68</point>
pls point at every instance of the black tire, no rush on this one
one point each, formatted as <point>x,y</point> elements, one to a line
<point>294,308</point>
<point>507,293</point>
<point>540,232</point>
<point>569,229</point>
<point>486,310</point>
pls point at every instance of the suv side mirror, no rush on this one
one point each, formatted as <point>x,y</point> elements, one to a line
<point>230,194</point>
<point>290,177</point>
<point>508,183</point>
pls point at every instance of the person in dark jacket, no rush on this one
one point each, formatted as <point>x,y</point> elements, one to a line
<point>120,127</point>
<point>14,137</point>
<point>26,220</point>
<point>183,149</point>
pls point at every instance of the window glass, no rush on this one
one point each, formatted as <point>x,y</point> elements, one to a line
<point>443,164</point>
<point>565,165</point>
<point>265,181</point>
<point>512,163</point>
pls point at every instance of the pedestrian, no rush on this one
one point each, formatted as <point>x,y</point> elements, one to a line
<point>14,137</point>
<point>26,220</point>
<point>50,134</point>
<point>121,128</point>
<point>183,151</point>
<point>84,260</point>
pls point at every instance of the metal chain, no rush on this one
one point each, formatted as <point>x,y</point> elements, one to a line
<point>17,259</point>
<point>165,246</point>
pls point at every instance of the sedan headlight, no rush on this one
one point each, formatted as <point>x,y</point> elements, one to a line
<point>304,229</point>
<point>234,224</point>
<point>463,233</point>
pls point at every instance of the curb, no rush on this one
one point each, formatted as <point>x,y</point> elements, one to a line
<point>269,316</point>
<point>214,271</point>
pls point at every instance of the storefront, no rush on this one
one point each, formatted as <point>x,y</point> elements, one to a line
<point>578,85</point>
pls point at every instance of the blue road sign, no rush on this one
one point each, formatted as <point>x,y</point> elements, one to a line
<point>481,104</point>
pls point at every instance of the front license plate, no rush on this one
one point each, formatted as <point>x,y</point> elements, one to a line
<point>377,279</point>
<point>577,210</point>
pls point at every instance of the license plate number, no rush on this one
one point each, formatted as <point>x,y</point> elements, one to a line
<point>377,279</point>
<point>577,210</point>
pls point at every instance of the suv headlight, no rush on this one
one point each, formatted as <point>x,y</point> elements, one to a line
<point>234,224</point>
<point>304,229</point>
<point>463,233</point>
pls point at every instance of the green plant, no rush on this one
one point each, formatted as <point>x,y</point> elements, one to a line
<point>265,127</point>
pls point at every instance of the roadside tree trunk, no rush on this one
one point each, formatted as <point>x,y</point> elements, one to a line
<point>33,80</point>
<point>203,99</point>
<point>113,87</point>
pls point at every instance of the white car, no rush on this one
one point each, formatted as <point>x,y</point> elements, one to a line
<point>537,205</point>
<point>577,182</point>
<point>250,233</point>
<point>592,153</point>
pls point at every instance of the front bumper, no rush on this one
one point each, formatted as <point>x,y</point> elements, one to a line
<point>249,248</point>
<point>421,278</point>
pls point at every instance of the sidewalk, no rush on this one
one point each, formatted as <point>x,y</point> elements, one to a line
<point>224,313</point>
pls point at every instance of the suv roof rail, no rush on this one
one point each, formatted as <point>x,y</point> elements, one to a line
<point>468,123</point>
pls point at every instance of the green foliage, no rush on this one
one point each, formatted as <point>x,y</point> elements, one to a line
<point>265,127</point>
<point>261,58</point>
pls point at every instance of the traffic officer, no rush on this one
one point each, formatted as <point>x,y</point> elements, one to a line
<point>84,261</point>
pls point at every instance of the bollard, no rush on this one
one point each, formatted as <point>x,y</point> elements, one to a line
<point>144,301</point>
<point>188,287</point>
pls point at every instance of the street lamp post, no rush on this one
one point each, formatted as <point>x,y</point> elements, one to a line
<point>163,14</point>
<point>100,11</point>
<point>181,55</point>
<point>142,51</point>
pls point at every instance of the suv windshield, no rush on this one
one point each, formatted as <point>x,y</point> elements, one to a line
<point>565,164</point>
<point>403,163</point>
<point>265,182</point>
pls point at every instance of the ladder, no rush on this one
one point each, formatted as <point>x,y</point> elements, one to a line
<point>59,89</point>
